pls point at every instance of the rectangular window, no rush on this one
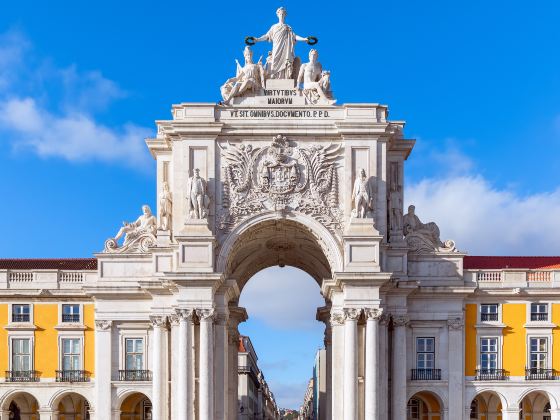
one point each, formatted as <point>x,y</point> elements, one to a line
<point>21,313</point>
<point>71,313</point>
<point>539,352</point>
<point>21,354</point>
<point>134,358</point>
<point>489,354</point>
<point>539,312</point>
<point>489,312</point>
<point>425,353</point>
<point>71,354</point>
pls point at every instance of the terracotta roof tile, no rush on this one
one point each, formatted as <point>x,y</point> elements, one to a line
<point>241,347</point>
<point>48,264</point>
<point>498,263</point>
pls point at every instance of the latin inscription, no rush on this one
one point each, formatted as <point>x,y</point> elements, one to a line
<point>278,113</point>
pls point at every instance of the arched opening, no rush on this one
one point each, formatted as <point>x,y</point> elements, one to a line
<point>486,406</point>
<point>136,406</point>
<point>279,265</point>
<point>22,406</point>
<point>72,406</point>
<point>424,406</point>
<point>535,406</point>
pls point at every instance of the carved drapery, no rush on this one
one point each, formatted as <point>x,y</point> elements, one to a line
<point>281,177</point>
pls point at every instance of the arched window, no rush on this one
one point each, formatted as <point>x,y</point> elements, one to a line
<point>413,409</point>
<point>474,409</point>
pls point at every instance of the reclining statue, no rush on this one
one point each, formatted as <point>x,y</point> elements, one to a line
<point>250,77</point>
<point>138,235</point>
<point>424,237</point>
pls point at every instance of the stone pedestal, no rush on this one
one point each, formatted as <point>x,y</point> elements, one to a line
<point>361,246</point>
<point>196,247</point>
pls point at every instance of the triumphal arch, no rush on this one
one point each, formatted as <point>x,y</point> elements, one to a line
<point>277,173</point>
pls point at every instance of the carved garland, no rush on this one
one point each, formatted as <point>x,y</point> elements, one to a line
<point>281,177</point>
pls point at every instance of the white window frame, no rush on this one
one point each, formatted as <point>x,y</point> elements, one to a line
<point>81,309</point>
<point>11,313</point>
<point>60,349</point>
<point>416,352</point>
<point>549,308</point>
<point>139,331</point>
<point>135,337</point>
<point>498,350</point>
<point>490,303</point>
<point>490,333</point>
<point>31,349</point>
<point>548,349</point>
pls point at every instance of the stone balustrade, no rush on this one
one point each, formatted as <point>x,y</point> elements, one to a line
<point>512,278</point>
<point>44,279</point>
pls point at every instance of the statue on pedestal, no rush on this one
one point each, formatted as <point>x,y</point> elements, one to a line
<point>250,77</point>
<point>362,196</point>
<point>197,197</point>
<point>138,235</point>
<point>165,208</point>
<point>424,237</point>
<point>316,82</point>
<point>283,40</point>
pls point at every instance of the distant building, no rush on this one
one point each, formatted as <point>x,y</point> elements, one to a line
<point>256,401</point>
<point>315,402</point>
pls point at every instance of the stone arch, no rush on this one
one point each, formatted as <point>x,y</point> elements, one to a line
<point>27,404</point>
<point>431,407</point>
<point>70,403</point>
<point>535,403</point>
<point>490,404</point>
<point>266,240</point>
<point>551,397</point>
<point>133,405</point>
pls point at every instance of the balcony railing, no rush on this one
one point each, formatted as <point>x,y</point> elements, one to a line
<point>71,318</point>
<point>539,316</point>
<point>536,374</point>
<point>490,375</point>
<point>21,318</point>
<point>135,375</point>
<point>22,376</point>
<point>426,375</point>
<point>72,376</point>
<point>489,317</point>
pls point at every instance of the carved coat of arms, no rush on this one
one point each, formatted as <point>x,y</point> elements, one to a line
<point>281,177</point>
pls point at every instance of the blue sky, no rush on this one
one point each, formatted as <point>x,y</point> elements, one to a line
<point>477,82</point>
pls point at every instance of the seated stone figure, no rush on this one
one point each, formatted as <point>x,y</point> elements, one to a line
<point>138,235</point>
<point>423,237</point>
<point>250,77</point>
<point>316,82</point>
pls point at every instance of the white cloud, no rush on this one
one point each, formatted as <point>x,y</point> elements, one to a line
<point>484,220</point>
<point>51,110</point>
<point>285,298</point>
<point>75,137</point>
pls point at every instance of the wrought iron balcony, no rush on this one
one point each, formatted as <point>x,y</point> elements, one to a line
<point>536,374</point>
<point>72,376</point>
<point>426,375</point>
<point>490,375</point>
<point>135,375</point>
<point>22,376</point>
<point>489,317</point>
<point>71,318</point>
<point>21,318</point>
<point>539,316</point>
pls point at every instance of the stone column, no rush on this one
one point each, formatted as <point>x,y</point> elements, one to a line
<point>509,413</point>
<point>554,414</point>
<point>236,316</point>
<point>456,371</point>
<point>184,347</point>
<point>337,333</point>
<point>383,374</point>
<point>399,373</point>
<point>325,407</point>
<point>351,363</point>
<point>221,366</point>
<point>159,323</point>
<point>103,369</point>
<point>174,369</point>
<point>206,371</point>
<point>371,381</point>
<point>45,413</point>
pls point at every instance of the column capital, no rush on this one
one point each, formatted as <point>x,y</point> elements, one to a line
<point>373,313</point>
<point>174,320</point>
<point>384,320</point>
<point>184,314</point>
<point>103,324</point>
<point>455,323</point>
<point>207,314</point>
<point>337,317</point>
<point>159,321</point>
<point>352,314</point>
<point>401,320</point>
